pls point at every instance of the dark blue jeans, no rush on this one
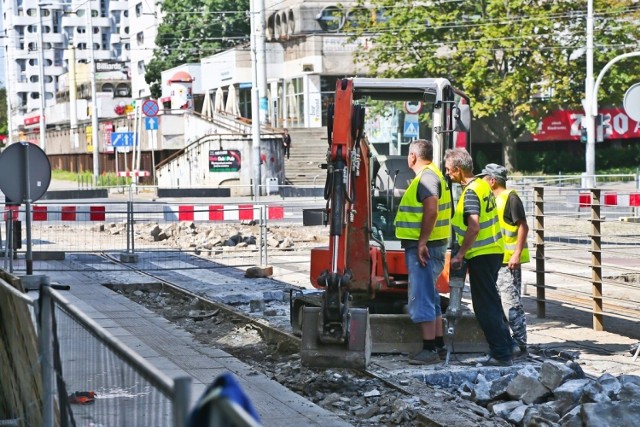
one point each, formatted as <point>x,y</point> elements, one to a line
<point>483,275</point>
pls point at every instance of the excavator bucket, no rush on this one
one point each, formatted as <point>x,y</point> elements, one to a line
<point>355,353</point>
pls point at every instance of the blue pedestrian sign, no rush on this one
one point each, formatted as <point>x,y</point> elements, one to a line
<point>151,123</point>
<point>122,139</point>
<point>411,126</point>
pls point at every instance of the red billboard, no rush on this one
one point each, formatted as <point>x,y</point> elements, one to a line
<point>565,125</point>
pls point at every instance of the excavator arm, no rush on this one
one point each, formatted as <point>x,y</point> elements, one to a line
<point>337,334</point>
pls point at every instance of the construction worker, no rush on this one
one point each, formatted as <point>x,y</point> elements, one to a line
<point>423,226</point>
<point>477,231</point>
<point>513,224</point>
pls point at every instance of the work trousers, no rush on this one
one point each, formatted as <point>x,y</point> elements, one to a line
<point>509,288</point>
<point>483,275</point>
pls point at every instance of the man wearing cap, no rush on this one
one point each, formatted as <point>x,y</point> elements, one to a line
<point>513,224</point>
<point>477,232</point>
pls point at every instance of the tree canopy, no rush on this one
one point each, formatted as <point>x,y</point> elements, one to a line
<point>3,111</point>
<point>194,29</point>
<point>517,59</point>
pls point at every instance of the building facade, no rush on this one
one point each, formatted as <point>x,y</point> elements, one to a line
<point>144,18</point>
<point>98,30</point>
<point>307,51</point>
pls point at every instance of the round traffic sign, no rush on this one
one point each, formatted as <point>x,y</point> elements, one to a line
<point>631,102</point>
<point>13,173</point>
<point>413,107</point>
<point>150,108</point>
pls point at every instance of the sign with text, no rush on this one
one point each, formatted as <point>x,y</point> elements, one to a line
<point>565,125</point>
<point>224,161</point>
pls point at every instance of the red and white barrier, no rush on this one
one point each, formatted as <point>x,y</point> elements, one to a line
<point>205,213</point>
<point>611,198</point>
<point>59,213</point>
<point>134,173</point>
<point>220,212</point>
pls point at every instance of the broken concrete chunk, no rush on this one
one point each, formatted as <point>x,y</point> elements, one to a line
<point>517,415</point>
<point>503,409</point>
<point>571,390</point>
<point>629,392</point>
<point>258,272</point>
<point>529,390</point>
<point>572,418</point>
<point>540,415</point>
<point>619,414</point>
<point>554,373</point>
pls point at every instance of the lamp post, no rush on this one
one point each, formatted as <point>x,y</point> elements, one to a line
<point>588,122</point>
<point>8,90</point>
<point>43,94</point>
<point>94,104</point>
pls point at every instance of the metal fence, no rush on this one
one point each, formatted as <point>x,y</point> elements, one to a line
<point>151,236</point>
<point>200,236</point>
<point>80,362</point>
<point>585,258</point>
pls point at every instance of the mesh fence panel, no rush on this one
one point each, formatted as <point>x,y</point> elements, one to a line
<point>123,396</point>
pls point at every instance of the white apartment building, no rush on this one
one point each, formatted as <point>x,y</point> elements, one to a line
<point>103,32</point>
<point>144,18</point>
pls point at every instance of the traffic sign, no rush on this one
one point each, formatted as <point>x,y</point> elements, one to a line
<point>151,123</point>
<point>413,107</point>
<point>632,102</point>
<point>411,126</point>
<point>122,139</point>
<point>14,174</point>
<point>150,108</point>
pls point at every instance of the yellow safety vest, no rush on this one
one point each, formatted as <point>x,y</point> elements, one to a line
<point>509,232</point>
<point>408,221</point>
<point>489,240</point>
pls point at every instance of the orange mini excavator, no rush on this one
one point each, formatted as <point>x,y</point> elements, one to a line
<point>362,272</point>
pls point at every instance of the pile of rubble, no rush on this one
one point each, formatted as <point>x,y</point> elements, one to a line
<point>216,238</point>
<point>554,394</point>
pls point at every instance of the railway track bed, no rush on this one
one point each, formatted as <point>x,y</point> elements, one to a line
<point>390,392</point>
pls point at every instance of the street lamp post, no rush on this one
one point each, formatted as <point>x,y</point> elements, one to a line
<point>588,122</point>
<point>8,92</point>
<point>255,101</point>
<point>594,102</point>
<point>43,94</point>
<point>94,104</point>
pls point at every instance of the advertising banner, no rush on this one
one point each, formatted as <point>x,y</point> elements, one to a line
<point>224,161</point>
<point>565,125</point>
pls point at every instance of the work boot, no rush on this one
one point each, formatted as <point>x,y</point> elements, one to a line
<point>520,351</point>
<point>492,361</point>
<point>425,357</point>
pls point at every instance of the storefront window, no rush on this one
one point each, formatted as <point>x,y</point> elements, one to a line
<point>295,103</point>
<point>327,92</point>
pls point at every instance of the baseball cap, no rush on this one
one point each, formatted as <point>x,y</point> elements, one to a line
<point>494,170</point>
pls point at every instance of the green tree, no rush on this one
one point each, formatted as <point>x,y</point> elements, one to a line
<point>516,59</point>
<point>194,29</point>
<point>3,112</point>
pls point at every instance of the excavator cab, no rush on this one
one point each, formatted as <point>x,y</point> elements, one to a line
<point>370,126</point>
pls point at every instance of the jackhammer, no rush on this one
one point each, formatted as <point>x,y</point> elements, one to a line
<point>457,274</point>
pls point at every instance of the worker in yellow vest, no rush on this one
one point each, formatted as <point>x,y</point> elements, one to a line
<point>513,224</point>
<point>477,233</point>
<point>423,226</point>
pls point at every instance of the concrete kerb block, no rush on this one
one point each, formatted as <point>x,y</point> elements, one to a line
<point>258,272</point>
<point>128,258</point>
<point>32,282</point>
